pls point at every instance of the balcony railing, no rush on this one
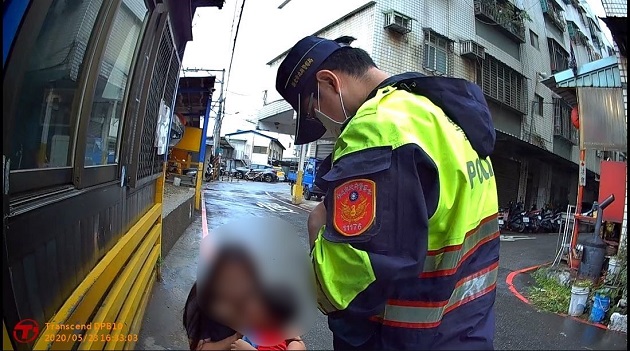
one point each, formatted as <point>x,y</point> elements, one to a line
<point>554,15</point>
<point>512,26</point>
<point>563,127</point>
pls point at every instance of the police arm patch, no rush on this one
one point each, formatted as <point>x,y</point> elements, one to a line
<point>354,206</point>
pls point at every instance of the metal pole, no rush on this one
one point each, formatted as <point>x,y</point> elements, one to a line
<point>216,134</point>
<point>573,262</point>
<point>202,155</point>
<point>298,190</point>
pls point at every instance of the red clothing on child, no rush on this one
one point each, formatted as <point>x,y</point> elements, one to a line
<point>282,346</point>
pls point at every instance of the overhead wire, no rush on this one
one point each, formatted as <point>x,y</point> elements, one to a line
<point>238,25</point>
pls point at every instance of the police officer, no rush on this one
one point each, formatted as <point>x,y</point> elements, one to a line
<point>405,246</point>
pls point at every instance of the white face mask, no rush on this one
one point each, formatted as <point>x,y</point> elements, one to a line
<point>332,126</point>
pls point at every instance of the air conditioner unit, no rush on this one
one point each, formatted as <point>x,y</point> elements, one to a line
<point>472,50</point>
<point>397,22</point>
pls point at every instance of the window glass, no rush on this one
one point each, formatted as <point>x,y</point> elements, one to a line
<point>43,130</point>
<point>107,107</point>
<point>533,38</point>
<point>539,104</point>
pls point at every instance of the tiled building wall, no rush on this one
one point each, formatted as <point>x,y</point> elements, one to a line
<point>616,8</point>
<point>456,21</point>
<point>358,25</point>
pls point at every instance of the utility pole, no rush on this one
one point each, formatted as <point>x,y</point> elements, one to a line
<point>216,133</point>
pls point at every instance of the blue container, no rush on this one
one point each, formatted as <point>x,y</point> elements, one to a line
<point>600,307</point>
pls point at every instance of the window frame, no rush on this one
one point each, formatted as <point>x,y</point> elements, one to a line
<point>540,110</point>
<point>28,180</point>
<point>428,34</point>
<point>532,36</point>
<point>86,176</point>
<point>50,180</point>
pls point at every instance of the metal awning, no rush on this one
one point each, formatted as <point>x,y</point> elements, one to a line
<point>223,143</point>
<point>602,73</point>
<point>279,117</point>
<point>193,95</point>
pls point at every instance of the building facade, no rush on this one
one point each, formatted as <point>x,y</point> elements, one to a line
<point>256,147</point>
<point>507,47</point>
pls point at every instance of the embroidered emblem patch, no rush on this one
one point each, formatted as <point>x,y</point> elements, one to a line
<point>354,206</point>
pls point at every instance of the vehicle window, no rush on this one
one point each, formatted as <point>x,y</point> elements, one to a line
<point>43,133</point>
<point>107,106</point>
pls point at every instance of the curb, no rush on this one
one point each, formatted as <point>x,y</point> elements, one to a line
<point>510,283</point>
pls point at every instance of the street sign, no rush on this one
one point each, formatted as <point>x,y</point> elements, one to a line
<point>582,179</point>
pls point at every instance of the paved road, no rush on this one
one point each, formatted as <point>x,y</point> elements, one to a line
<point>519,326</point>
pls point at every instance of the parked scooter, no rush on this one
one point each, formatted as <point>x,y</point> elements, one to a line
<point>254,175</point>
<point>518,220</point>
<point>209,175</point>
<point>550,222</point>
<point>535,217</point>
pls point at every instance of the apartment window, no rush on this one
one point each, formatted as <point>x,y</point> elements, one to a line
<point>558,56</point>
<point>502,84</point>
<point>437,52</point>
<point>107,104</point>
<point>533,39</point>
<point>539,104</point>
<point>260,150</point>
<point>562,121</point>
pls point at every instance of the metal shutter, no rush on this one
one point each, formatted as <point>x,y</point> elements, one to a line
<point>507,174</point>
<point>323,149</point>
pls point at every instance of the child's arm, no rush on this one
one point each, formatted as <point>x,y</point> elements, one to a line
<point>241,344</point>
<point>224,344</point>
<point>296,344</point>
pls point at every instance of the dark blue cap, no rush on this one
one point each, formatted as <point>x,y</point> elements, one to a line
<point>295,81</point>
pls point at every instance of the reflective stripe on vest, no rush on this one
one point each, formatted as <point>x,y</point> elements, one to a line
<point>446,261</point>
<point>419,314</point>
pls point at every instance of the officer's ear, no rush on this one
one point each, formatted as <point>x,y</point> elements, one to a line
<point>328,81</point>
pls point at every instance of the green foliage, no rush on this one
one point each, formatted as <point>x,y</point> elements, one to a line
<point>548,294</point>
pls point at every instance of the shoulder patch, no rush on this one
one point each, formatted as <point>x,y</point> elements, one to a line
<point>354,206</point>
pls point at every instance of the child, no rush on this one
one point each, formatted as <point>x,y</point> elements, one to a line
<point>232,296</point>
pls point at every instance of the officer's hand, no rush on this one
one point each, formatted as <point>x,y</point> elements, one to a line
<point>316,220</point>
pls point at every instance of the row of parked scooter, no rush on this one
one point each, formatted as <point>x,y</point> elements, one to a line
<point>517,219</point>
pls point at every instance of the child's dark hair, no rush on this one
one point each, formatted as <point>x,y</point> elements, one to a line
<point>280,302</point>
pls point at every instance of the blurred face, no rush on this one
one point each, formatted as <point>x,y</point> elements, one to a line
<point>237,301</point>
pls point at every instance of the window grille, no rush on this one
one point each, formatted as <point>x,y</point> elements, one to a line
<point>438,52</point>
<point>503,84</point>
<point>163,86</point>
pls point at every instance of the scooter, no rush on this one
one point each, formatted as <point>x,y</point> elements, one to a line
<point>254,175</point>
<point>518,220</point>
<point>550,222</point>
<point>535,217</point>
<point>504,214</point>
<point>209,173</point>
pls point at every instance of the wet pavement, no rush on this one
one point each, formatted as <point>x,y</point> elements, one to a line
<point>519,325</point>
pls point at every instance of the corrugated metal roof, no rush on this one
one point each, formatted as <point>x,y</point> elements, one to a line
<point>602,73</point>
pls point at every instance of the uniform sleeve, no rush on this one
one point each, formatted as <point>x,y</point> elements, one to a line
<point>379,201</point>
